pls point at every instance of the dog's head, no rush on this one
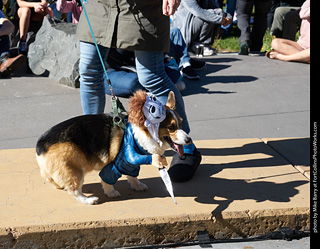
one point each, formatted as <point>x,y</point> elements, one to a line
<point>170,133</point>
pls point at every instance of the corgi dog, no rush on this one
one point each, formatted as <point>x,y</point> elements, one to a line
<point>69,150</point>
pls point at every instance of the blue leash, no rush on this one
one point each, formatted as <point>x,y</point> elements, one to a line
<point>116,103</point>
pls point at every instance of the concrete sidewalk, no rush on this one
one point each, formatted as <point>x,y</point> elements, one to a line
<point>249,117</point>
<point>243,187</point>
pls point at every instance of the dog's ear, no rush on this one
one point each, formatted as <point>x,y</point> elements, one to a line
<point>135,112</point>
<point>171,102</point>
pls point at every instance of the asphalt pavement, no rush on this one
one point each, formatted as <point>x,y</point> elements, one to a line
<point>236,97</point>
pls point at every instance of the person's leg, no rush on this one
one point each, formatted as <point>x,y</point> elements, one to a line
<point>178,48</point>
<point>262,8</point>
<point>24,15</point>
<point>274,4</point>
<point>244,10</point>
<point>278,19</point>
<point>286,47</point>
<point>92,91</point>
<point>291,23</point>
<point>123,83</point>
<point>230,8</point>
<point>202,31</point>
<point>301,56</point>
<point>153,77</point>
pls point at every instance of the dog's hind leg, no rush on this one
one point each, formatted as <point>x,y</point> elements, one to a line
<point>136,184</point>
<point>66,165</point>
<point>109,190</point>
<point>43,171</point>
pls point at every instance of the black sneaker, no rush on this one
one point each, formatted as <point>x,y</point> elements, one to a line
<point>189,73</point>
<point>183,167</point>
<point>23,48</point>
<point>197,65</point>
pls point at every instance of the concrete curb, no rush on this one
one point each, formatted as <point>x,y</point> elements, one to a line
<point>164,230</point>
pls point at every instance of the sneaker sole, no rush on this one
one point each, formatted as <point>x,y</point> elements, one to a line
<point>190,77</point>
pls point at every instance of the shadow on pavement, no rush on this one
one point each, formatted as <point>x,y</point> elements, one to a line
<point>207,77</point>
<point>207,187</point>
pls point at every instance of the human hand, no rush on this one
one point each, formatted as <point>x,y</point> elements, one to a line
<point>226,21</point>
<point>38,8</point>
<point>170,6</point>
<point>44,3</point>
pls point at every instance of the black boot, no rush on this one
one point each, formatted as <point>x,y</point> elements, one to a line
<point>184,167</point>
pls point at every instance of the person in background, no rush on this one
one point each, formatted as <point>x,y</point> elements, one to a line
<point>7,65</point>
<point>179,51</point>
<point>199,22</point>
<point>73,6</point>
<point>281,3</point>
<point>26,11</point>
<point>248,39</point>
<point>286,22</point>
<point>230,8</point>
<point>288,50</point>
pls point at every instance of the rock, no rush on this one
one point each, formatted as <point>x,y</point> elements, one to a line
<point>56,51</point>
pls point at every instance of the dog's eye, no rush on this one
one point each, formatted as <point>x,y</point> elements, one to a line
<point>171,128</point>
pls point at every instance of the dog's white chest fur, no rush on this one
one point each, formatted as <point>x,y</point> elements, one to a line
<point>147,142</point>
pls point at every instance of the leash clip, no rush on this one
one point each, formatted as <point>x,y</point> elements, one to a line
<point>116,107</point>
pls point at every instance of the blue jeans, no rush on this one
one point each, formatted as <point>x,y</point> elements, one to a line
<point>91,72</point>
<point>151,75</point>
<point>123,83</point>
<point>178,48</point>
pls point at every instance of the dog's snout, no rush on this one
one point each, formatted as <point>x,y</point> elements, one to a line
<point>188,140</point>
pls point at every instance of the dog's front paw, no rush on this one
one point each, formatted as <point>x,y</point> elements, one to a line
<point>159,161</point>
<point>113,193</point>
<point>136,184</point>
<point>109,190</point>
<point>163,160</point>
<point>139,186</point>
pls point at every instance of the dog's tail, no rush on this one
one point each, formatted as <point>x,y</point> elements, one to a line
<point>41,147</point>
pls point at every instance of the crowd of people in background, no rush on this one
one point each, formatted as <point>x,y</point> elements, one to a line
<point>194,25</point>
